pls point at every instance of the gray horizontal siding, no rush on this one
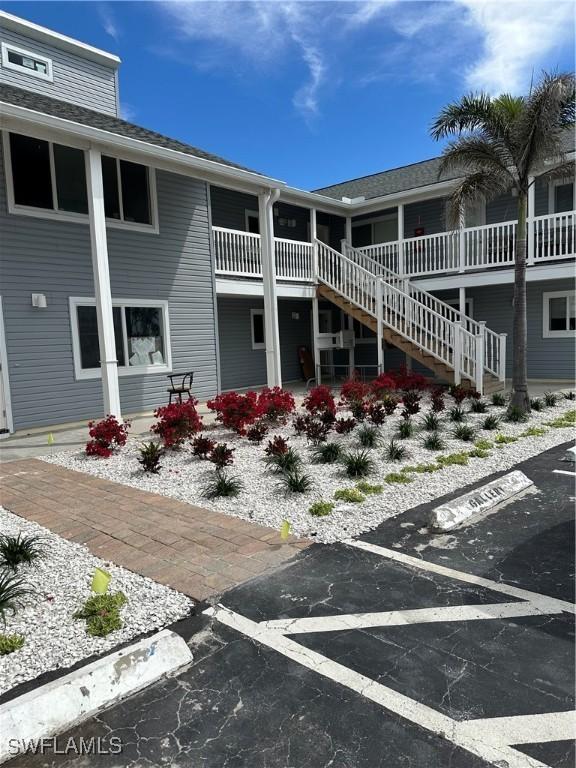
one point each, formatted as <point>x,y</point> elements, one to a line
<point>242,366</point>
<point>50,257</point>
<point>502,208</point>
<point>425,214</point>
<point>75,79</point>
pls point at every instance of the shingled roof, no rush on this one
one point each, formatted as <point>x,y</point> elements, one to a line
<point>89,117</point>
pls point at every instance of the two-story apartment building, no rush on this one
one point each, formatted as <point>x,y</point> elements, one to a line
<point>126,255</point>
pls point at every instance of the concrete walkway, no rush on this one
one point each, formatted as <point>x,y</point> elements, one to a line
<point>194,550</point>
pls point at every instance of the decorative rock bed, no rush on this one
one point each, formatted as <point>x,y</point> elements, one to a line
<point>264,501</point>
<point>61,583</point>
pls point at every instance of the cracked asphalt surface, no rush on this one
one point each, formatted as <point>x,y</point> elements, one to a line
<point>242,704</point>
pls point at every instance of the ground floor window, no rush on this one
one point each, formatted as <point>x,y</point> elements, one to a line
<point>559,313</point>
<point>257,328</point>
<point>140,330</point>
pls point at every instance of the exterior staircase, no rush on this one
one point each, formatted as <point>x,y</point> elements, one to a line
<point>456,348</point>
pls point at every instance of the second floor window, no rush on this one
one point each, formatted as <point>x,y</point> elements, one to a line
<point>52,177</point>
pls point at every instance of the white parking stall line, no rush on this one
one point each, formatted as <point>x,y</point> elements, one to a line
<point>414,711</point>
<point>399,618</point>
<point>523,729</point>
<point>548,604</point>
<point>563,472</point>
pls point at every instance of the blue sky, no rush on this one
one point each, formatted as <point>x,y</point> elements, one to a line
<point>313,92</point>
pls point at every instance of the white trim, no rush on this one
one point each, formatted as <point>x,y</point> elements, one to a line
<point>44,35</point>
<point>254,287</point>
<point>250,214</point>
<point>537,273</point>
<point>69,216</point>
<point>253,314</point>
<point>7,64</point>
<point>123,370</point>
<point>4,373</point>
<point>546,332</point>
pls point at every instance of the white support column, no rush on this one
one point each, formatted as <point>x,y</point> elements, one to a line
<point>457,352</point>
<point>266,202</point>
<point>401,259</point>
<point>313,237</point>
<point>102,290</point>
<point>461,244</point>
<point>480,357</point>
<point>530,220</point>
<point>380,326</point>
<point>315,332</point>
<point>349,230</point>
<point>462,301</point>
<point>351,360</point>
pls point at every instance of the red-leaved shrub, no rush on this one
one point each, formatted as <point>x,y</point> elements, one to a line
<point>221,455</point>
<point>106,435</point>
<point>405,379</point>
<point>277,446</point>
<point>276,403</point>
<point>257,432</point>
<point>177,422</point>
<point>344,426</point>
<point>202,446</point>
<point>382,386</point>
<point>236,411</point>
<point>353,392</point>
<point>320,399</point>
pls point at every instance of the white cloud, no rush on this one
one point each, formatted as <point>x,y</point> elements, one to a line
<point>517,37</point>
<point>108,22</point>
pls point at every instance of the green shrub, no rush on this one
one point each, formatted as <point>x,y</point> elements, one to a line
<point>421,468</point>
<point>397,477</point>
<point>13,590</point>
<point>490,423</point>
<point>431,422</point>
<point>457,414</point>
<point>433,442</point>
<point>516,415</point>
<point>505,439</point>
<point>20,550</point>
<point>478,406</point>
<point>150,455</point>
<point>465,433</point>
<point>478,453</point>
<point>222,485</point>
<point>327,453</point>
<point>456,459</point>
<point>369,489</point>
<point>10,643</point>
<point>368,437</point>
<point>498,399</point>
<point>321,508</point>
<point>483,445</point>
<point>395,452</point>
<point>405,429</point>
<point>533,432</point>
<point>551,399</point>
<point>297,481</point>
<point>288,461</point>
<point>102,613</point>
<point>358,464</point>
<point>349,495</point>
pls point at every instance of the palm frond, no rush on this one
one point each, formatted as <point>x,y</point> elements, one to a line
<point>473,111</point>
<point>477,154</point>
<point>564,170</point>
<point>485,184</point>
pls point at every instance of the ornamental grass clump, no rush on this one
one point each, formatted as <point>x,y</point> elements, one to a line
<point>13,591</point>
<point>358,464</point>
<point>498,399</point>
<point>106,436</point>
<point>221,456</point>
<point>10,643</point>
<point>395,452</point>
<point>491,423</point>
<point>222,485</point>
<point>431,422</point>
<point>297,481</point>
<point>478,406</point>
<point>405,429</point>
<point>536,405</point>
<point>21,550</point>
<point>349,495</point>
<point>516,415</point>
<point>150,456</point>
<point>368,437</point>
<point>177,423</point>
<point>102,613</point>
<point>457,414</point>
<point>288,461</point>
<point>569,395</point>
<point>328,453</point>
<point>464,432</point>
<point>320,508</point>
<point>550,399</point>
<point>433,442</point>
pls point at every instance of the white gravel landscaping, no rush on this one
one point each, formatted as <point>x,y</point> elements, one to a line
<point>264,501</point>
<point>61,584</point>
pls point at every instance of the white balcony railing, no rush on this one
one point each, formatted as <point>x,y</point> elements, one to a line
<point>239,254</point>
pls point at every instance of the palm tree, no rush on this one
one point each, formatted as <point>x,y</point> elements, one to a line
<point>501,144</point>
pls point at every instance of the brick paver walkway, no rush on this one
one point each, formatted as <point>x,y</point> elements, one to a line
<point>194,550</point>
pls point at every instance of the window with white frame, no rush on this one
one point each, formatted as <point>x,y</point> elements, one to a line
<point>559,314</point>
<point>252,222</point>
<point>257,329</point>
<point>561,195</point>
<point>141,333</point>
<point>49,180</point>
<point>27,62</point>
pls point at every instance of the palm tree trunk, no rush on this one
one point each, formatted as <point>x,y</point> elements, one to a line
<point>520,397</point>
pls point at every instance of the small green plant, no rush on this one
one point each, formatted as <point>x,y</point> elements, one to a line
<point>534,432</point>
<point>349,495</point>
<point>478,406</point>
<point>405,429</point>
<point>102,613</point>
<point>567,420</point>
<point>464,432</point>
<point>150,455</point>
<point>454,459</point>
<point>571,395</point>
<point>358,463</point>
<point>457,414</point>
<point>536,404</point>
<point>421,468</point>
<point>504,439</point>
<point>433,442</point>
<point>327,453</point>
<point>321,508</point>
<point>13,590</point>
<point>483,445</point>
<point>284,462</point>
<point>478,453</point>
<point>10,643</point>
<point>491,423</point>
<point>431,422</point>
<point>222,484</point>
<point>498,399</point>
<point>395,452</point>
<point>20,550</point>
<point>397,477</point>
<point>297,481</point>
<point>368,437</point>
<point>551,399</point>
<point>368,489</point>
<point>516,415</point>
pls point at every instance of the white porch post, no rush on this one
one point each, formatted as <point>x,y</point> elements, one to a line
<point>102,291</point>
<point>461,243</point>
<point>266,202</point>
<point>462,301</point>
<point>349,230</point>
<point>401,260</point>
<point>315,332</point>
<point>530,219</point>
<point>313,236</point>
<point>380,326</point>
<point>351,355</point>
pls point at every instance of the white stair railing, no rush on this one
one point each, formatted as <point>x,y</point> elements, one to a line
<point>382,298</point>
